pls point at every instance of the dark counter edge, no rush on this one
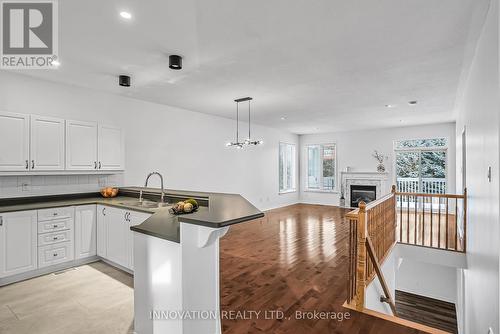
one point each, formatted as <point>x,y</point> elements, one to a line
<point>224,210</point>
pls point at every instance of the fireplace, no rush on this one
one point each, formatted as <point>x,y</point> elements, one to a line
<point>363,193</point>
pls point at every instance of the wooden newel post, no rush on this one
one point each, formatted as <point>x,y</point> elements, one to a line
<point>361,262</point>
<point>393,189</point>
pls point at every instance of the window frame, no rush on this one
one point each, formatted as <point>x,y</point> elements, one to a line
<point>306,169</point>
<point>420,150</point>
<point>294,169</point>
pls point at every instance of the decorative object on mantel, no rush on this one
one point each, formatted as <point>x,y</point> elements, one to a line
<point>380,158</point>
<point>249,141</point>
<point>342,200</point>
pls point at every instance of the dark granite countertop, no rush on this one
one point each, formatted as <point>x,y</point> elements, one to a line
<point>216,209</point>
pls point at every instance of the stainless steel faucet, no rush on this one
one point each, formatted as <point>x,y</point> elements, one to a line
<point>162,189</point>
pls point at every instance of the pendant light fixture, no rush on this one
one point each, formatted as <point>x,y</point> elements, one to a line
<point>249,140</point>
<point>237,143</point>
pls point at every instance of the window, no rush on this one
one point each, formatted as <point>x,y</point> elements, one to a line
<point>421,165</point>
<point>287,167</point>
<point>321,167</point>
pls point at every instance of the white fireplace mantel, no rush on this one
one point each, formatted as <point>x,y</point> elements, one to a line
<point>377,179</point>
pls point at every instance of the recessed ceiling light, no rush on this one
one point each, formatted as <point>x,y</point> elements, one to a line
<point>126,15</point>
<point>389,105</point>
<point>56,63</point>
<point>412,103</point>
<point>283,118</point>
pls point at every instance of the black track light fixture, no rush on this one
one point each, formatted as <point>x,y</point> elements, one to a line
<point>175,62</point>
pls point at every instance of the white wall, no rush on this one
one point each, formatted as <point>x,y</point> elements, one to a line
<point>427,279</point>
<point>478,111</point>
<point>374,290</point>
<point>355,149</point>
<point>186,147</point>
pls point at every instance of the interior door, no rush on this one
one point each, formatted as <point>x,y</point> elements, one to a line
<point>81,145</point>
<point>117,227</point>
<point>111,148</point>
<point>18,242</point>
<point>14,146</point>
<point>47,143</point>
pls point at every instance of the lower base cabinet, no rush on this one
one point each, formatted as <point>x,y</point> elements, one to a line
<point>114,237</point>
<point>54,254</point>
<point>31,240</point>
<point>18,242</point>
<point>85,231</point>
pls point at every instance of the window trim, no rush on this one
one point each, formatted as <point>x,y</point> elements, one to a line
<point>335,190</point>
<point>444,149</point>
<point>294,176</point>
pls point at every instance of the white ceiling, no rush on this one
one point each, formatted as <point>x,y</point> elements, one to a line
<point>325,65</point>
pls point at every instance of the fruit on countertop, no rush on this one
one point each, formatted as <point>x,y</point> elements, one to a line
<point>109,192</point>
<point>192,202</point>
<point>188,207</point>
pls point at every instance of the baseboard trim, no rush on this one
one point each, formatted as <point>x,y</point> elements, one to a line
<point>46,271</point>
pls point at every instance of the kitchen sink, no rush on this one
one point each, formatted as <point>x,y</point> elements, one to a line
<point>143,204</point>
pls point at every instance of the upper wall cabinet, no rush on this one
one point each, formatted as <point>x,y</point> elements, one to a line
<point>14,145</point>
<point>81,145</point>
<point>47,143</point>
<point>111,148</point>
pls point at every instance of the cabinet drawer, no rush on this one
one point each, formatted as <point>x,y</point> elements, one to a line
<point>55,213</point>
<point>55,225</point>
<point>54,254</point>
<point>55,237</point>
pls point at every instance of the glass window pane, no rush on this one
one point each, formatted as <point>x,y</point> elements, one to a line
<point>407,171</point>
<point>415,143</point>
<point>433,172</point>
<point>329,167</point>
<point>287,167</point>
<point>313,166</point>
<point>281,167</point>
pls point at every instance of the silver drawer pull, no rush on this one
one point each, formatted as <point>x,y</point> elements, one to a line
<point>55,254</point>
<point>55,214</point>
<point>55,226</point>
<point>55,238</point>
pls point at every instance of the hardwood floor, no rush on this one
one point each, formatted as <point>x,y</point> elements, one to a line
<point>294,259</point>
<point>427,311</point>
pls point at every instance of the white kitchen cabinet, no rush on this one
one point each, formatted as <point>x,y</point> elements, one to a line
<point>85,231</point>
<point>47,143</point>
<point>116,246</point>
<point>81,145</point>
<point>102,234</point>
<point>114,237</point>
<point>18,242</point>
<point>135,218</point>
<point>14,146</point>
<point>111,148</point>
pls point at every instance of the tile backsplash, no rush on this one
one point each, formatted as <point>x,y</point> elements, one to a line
<point>37,185</point>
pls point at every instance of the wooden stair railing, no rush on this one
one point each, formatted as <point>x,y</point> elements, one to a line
<point>372,235</point>
<point>428,220</point>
